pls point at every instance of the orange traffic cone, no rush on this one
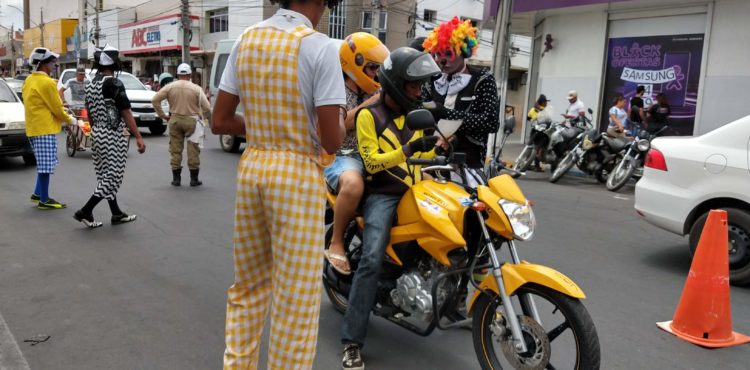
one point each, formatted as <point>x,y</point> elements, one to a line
<point>703,316</point>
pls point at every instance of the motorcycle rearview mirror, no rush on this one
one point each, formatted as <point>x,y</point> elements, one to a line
<point>420,119</point>
<point>591,111</point>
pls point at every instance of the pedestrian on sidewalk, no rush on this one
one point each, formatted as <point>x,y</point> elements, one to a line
<point>109,111</point>
<point>187,107</point>
<point>44,118</point>
<point>289,81</point>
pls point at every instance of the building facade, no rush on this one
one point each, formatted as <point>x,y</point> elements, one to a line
<point>691,51</point>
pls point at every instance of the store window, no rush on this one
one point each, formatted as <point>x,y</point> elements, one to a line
<point>218,20</point>
<point>430,16</point>
<point>337,21</point>
<point>366,20</point>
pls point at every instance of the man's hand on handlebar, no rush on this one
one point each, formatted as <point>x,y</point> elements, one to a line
<point>423,144</point>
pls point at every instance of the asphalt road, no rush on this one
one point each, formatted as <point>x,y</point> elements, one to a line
<point>151,295</point>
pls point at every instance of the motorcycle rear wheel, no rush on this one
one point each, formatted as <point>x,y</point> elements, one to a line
<point>565,322</point>
<point>621,174</point>
<point>340,301</point>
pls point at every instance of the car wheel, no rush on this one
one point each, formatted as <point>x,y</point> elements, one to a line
<point>739,243</point>
<point>157,128</point>
<point>229,143</point>
<point>29,159</point>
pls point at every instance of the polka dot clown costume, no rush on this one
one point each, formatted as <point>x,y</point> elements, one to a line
<point>463,93</point>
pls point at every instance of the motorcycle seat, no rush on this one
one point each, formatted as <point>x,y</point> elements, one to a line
<point>616,143</point>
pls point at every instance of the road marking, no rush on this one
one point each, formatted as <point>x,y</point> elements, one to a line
<point>11,357</point>
<point>620,197</point>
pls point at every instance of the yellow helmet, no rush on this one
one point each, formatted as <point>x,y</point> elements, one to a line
<point>356,52</point>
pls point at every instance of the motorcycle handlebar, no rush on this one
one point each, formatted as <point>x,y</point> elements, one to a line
<point>437,161</point>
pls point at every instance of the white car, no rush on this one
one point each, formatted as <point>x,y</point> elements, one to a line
<point>139,95</point>
<point>685,178</point>
<point>13,140</point>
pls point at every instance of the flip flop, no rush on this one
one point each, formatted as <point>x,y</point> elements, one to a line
<point>333,256</point>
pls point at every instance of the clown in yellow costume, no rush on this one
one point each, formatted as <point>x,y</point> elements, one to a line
<point>289,83</point>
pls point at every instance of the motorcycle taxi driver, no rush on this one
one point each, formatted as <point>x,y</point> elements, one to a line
<point>385,144</point>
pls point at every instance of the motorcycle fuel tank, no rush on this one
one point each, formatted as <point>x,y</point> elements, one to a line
<point>432,213</point>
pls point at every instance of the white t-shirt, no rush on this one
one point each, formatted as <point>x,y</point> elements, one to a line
<point>621,115</point>
<point>576,108</point>
<point>321,81</point>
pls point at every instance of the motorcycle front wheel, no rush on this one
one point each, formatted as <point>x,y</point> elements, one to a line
<point>565,337</point>
<point>563,167</point>
<point>524,159</point>
<point>621,174</point>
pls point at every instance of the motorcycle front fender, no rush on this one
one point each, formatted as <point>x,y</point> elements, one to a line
<point>518,275</point>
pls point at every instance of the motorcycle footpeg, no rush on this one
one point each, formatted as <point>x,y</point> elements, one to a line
<point>385,311</point>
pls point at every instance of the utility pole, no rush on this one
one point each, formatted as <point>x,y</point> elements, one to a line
<point>41,24</point>
<point>97,26</point>
<point>13,49</point>
<point>26,14</point>
<point>82,28</point>
<point>501,56</point>
<point>185,31</point>
<point>378,5</point>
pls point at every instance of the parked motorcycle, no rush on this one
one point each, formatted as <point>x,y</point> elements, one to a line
<point>631,164</point>
<point>567,147</point>
<point>522,315</point>
<point>601,153</point>
<point>538,144</point>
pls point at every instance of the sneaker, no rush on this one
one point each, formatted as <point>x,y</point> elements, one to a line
<point>87,220</point>
<point>352,358</point>
<point>122,218</point>
<point>35,198</point>
<point>50,204</point>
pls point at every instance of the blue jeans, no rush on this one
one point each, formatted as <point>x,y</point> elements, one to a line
<point>378,212</point>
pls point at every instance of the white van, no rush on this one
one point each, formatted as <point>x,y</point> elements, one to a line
<point>228,143</point>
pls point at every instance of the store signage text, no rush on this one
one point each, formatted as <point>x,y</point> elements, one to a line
<point>648,76</point>
<point>146,36</point>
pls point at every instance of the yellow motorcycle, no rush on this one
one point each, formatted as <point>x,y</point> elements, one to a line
<point>443,270</point>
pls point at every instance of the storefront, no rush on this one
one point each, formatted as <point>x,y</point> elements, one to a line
<point>55,37</point>
<point>154,45</point>
<point>677,48</point>
<point>10,51</point>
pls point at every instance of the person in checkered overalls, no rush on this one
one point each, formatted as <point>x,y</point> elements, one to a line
<point>289,82</point>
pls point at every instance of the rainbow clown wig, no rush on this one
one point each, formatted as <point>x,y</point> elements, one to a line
<point>456,36</point>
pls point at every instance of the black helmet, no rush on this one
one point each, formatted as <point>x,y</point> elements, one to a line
<point>403,65</point>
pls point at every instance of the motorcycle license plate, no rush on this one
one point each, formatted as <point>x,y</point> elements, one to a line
<point>148,117</point>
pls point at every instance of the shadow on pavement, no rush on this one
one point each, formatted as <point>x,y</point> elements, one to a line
<point>675,259</point>
<point>13,164</point>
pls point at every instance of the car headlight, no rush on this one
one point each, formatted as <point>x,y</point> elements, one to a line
<point>521,218</point>
<point>17,125</point>
<point>644,145</point>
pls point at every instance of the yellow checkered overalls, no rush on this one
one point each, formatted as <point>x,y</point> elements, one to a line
<point>278,233</point>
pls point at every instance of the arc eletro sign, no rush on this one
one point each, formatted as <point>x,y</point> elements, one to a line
<point>152,35</point>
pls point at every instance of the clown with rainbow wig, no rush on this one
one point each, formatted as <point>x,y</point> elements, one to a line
<point>463,93</point>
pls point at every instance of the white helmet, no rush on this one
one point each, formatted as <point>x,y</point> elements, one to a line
<point>39,55</point>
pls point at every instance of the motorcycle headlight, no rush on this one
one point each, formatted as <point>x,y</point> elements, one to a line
<point>644,145</point>
<point>521,218</point>
<point>17,125</point>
